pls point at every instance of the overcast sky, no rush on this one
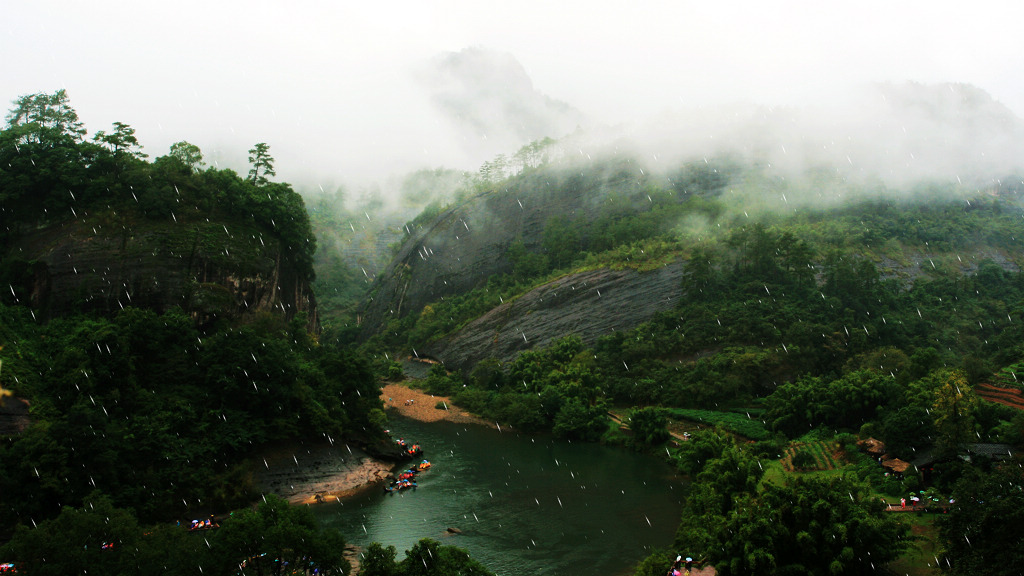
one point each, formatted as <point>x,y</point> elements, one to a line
<point>328,84</point>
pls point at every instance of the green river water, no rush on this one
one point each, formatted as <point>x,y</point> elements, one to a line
<point>524,504</point>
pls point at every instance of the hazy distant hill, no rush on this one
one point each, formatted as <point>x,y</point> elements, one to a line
<point>598,228</point>
<point>491,100</point>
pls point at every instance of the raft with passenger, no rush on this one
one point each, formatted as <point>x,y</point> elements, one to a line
<point>406,479</point>
<point>408,451</point>
<point>401,485</point>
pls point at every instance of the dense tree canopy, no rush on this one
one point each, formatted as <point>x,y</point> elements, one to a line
<point>152,411</point>
<point>98,537</point>
<point>812,527</point>
<point>427,558</point>
<point>983,531</point>
<point>49,173</point>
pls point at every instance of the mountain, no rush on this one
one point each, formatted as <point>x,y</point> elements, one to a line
<point>92,226</point>
<point>491,100</point>
<point>601,244</point>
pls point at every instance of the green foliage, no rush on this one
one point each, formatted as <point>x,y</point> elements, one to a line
<point>99,537</point>
<point>954,407</point>
<point>845,402</point>
<point>431,189</point>
<point>817,455</point>
<point>526,264</point>
<point>121,141</point>
<point>51,175</point>
<point>808,526</point>
<point>440,383</point>
<point>553,389</point>
<point>47,115</point>
<point>379,561</point>
<point>983,530</point>
<point>691,456</point>
<point>577,420</point>
<point>803,460</point>
<point>426,558</point>
<point>276,534</point>
<point>188,154</point>
<point>655,564</point>
<point>738,423</point>
<point>561,241</point>
<point>649,425</point>
<point>155,413</point>
<point>262,164</point>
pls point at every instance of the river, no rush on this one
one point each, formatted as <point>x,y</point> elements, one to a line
<point>525,505</point>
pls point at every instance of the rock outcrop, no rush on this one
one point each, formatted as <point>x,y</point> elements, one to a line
<point>208,269</point>
<point>588,304</point>
<point>468,243</point>
<point>14,416</point>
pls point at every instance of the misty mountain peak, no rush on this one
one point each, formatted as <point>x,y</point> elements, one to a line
<point>949,103</point>
<point>491,100</point>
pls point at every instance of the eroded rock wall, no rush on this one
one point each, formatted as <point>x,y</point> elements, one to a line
<point>468,243</point>
<point>205,268</point>
<point>589,304</point>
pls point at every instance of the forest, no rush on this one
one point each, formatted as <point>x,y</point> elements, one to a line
<point>140,417</point>
<point>884,317</point>
<point>818,327</point>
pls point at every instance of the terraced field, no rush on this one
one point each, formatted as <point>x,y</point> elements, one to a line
<point>824,454</point>
<point>1011,397</point>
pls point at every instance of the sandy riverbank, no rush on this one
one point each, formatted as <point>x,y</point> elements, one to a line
<point>321,472</point>
<point>422,407</point>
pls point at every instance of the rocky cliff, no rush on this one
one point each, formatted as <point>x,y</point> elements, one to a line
<point>469,242</point>
<point>588,304</point>
<point>212,270</point>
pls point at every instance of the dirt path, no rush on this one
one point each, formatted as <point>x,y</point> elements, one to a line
<point>676,435</point>
<point>424,407</point>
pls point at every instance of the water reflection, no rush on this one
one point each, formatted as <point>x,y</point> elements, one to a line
<point>521,505</point>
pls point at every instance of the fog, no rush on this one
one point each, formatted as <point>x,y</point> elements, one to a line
<point>355,93</point>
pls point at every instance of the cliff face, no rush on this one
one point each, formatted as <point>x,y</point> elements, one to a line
<point>589,304</point>
<point>468,243</point>
<point>208,269</point>
<point>14,416</point>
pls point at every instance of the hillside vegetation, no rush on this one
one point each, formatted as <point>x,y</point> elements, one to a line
<point>146,323</point>
<point>851,308</point>
<point>92,225</point>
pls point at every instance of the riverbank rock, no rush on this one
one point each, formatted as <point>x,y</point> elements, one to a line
<point>319,472</point>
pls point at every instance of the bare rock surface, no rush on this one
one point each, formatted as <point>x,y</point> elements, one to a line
<point>14,416</point>
<point>588,304</point>
<point>206,268</point>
